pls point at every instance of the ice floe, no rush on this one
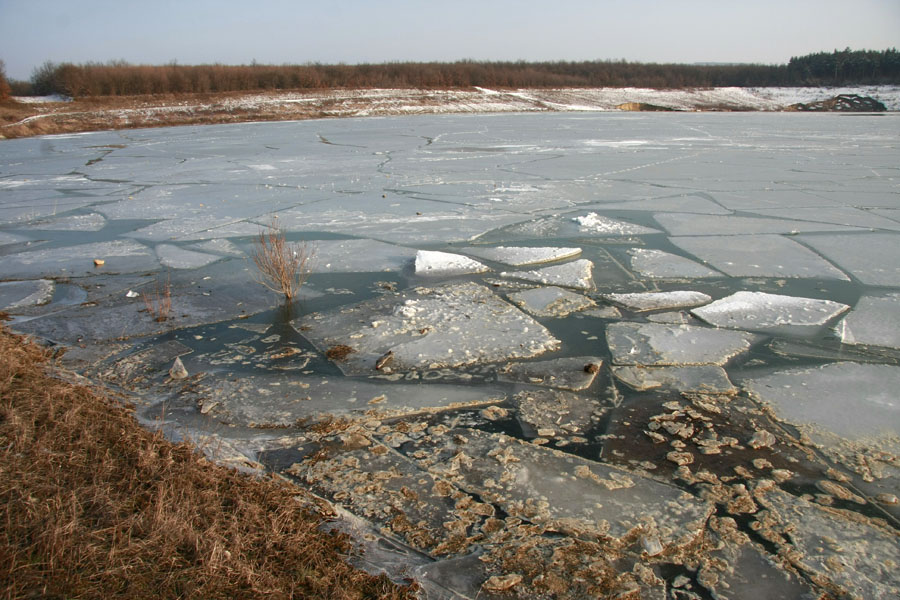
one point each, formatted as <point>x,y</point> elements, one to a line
<point>658,264</point>
<point>434,263</point>
<point>550,301</point>
<point>519,256</point>
<point>707,379</point>
<point>176,257</point>
<point>19,294</point>
<point>576,274</point>
<point>600,225</point>
<point>89,222</point>
<point>571,373</point>
<point>874,321</point>
<point>655,344</point>
<point>763,311</point>
<point>120,256</point>
<point>872,258</point>
<point>644,301</point>
<point>358,256</point>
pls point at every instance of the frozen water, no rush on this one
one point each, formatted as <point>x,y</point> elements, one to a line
<point>576,274</point>
<point>838,215</point>
<point>707,379</point>
<point>550,413</point>
<point>673,318</point>
<point>643,301</point>
<point>550,301</point>
<point>870,257</point>
<point>74,261</point>
<point>358,256</point>
<point>434,263</point>
<point>89,222</point>
<point>687,224</point>
<point>10,238</point>
<point>758,256</point>
<point>218,246</point>
<point>572,373</point>
<point>656,344</point>
<point>17,294</point>
<point>600,225</point>
<point>518,256</point>
<point>852,400</point>
<point>427,328</point>
<point>176,257</point>
<point>874,321</point>
<point>657,264</point>
<point>763,311</point>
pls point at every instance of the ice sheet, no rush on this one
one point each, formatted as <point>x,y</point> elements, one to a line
<point>644,301</point>
<point>686,224</point>
<point>763,311</point>
<point>519,256</point>
<point>550,301</point>
<point>437,264</point>
<point>874,321</point>
<point>706,379</point>
<point>656,344</point>
<point>176,257</point>
<point>18,294</point>
<point>571,373</point>
<point>119,256</point>
<point>358,256</point>
<point>576,274</point>
<point>873,258</point>
<point>601,225</point>
<point>658,264</point>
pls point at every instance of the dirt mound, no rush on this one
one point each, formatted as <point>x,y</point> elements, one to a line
<point>842,103</point>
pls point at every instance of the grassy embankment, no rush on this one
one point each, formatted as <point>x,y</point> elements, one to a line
<point>94,506</point>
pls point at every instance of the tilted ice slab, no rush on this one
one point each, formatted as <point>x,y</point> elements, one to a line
<point>873,258</point>
<point>707,379</point>
<point>357,256</point>
<point>663,265</point>
<point>758,256</point>
<point>519,256</point>
<point>598,224</point>
<point>655,344</point>
<point>445,326</point>
<point>566,492</point>
<point>570,373</point>
<point>762,311</point>
<point>432,262</point>
<point>874,322</point>
<point>550,301</point>
<point>576,274</point>
<point>19,294</point>
<point>119,256</point>
<point>176,257</point>
<point>642,301</point>
<point>851,400</point>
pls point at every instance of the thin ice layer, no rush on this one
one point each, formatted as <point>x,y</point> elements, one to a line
<point>576,274</point>
<point>357,256</point>
<point>762,311</point>
<point>852,400</point>
<point>657,264</point>
<point>643,301</point>
<point>550,301</point>
<point>445,326</point>
<point>656,344</point>
<point>874,321</point>
<point>176,257</point>
<point>759,256</point>
<point>519,256</point>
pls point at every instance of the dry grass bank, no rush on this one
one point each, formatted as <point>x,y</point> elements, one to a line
<point>94,506</point>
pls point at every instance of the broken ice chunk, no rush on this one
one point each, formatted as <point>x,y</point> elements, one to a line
<point>18,294</point>
<point>762,311</point>
<point>594,223</point>
<point>576,274</point>
<point>550,301</point>
<point>874,322</point>
<point>446,326</point>
<point>175,257</point>
<point>656,344</point>
<point>521,256</point>
<point>431,262</point>
<point>852,400</point>
<point>758,256</point>
<point>643,301</point>
<point>707,379</point>
<point>870,257</point>
<point>662,265</point>
<point>571,373</point>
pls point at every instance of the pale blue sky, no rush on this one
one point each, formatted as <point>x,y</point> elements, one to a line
<point>353,31</point>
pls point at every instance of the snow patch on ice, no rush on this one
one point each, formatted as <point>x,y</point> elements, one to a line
<point>594,223</point>
<point>435,263</point>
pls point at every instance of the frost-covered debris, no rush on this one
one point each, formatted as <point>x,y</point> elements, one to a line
<point>763,255</point>
<point>763,311</point>
<point>571,373</point>
<point>852,400</point>
<point>571,495</point>
<point>576,274</point>
<point>447,264</point>
<point>706,379</point>
<point>519,256</point>
<point>600,225</point>
<point>550,301</point>
<point>874,321</point>
<point>656,344</point>
<point>19,294</point>
<point>644,301</point>
<point>428,328</point>
<point>176,257</point>
<point>120,256</point>
<point>658,264</point>
<point>865,256</point>
<point>842,551</point>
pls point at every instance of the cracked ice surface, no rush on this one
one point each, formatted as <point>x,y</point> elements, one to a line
<point>550,301</point>
<point>598,224</point>
<point>870,257</point>
<point>576,274</point>
<point>445,326</point>
<point>762,311</point>
<point>874,321</point>
<point>663,265</point>
<point>643,301</point>
<point>120,256</point>
<point>16,294</point>
<point>518,256</point>
<point>656,344</point>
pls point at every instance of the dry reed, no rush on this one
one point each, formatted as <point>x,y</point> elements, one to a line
<point>282,267</point>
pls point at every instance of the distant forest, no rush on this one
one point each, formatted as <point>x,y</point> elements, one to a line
<point>843,67</point>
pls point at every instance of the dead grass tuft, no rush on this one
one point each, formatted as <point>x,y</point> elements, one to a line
<point>94,506</point>
<point>159,302</point>
<point>283,267</point>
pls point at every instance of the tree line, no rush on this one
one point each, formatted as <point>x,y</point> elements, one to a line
<point>119,78</point>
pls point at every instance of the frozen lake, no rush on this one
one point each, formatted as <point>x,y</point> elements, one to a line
<point>655,353</point>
